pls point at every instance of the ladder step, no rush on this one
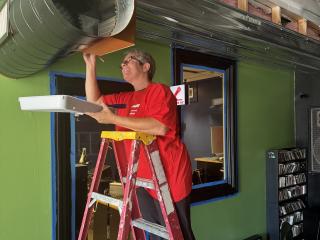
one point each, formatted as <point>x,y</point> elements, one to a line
<point>150,227</point>
<point>107,200</point>
<point>142,182</point>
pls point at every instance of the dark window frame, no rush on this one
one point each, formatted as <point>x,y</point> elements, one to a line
<point>182,56</point>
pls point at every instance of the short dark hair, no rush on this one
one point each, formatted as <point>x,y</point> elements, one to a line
<point>144,57</point>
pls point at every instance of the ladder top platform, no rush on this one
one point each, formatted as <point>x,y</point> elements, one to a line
<point>124,135</point>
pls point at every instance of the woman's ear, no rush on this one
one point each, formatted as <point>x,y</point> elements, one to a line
<point>146,67</point>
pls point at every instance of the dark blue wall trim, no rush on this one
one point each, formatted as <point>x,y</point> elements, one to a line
<point>53,163</point>
<point>214,200</point>
<point>73,175</point>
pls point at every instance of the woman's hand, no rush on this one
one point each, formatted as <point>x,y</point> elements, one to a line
<point>105,116</point>
<point>89,59</point>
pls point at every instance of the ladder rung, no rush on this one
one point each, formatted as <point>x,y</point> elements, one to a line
<point>150,227</point>
<point>107,200</point>
<point>142,182</point>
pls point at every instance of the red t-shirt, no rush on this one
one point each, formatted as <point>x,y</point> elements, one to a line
<point>158,102</point>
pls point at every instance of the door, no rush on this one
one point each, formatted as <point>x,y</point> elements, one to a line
<point>71,135</point>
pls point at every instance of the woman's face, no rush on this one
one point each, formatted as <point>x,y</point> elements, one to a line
<point>131,68</point>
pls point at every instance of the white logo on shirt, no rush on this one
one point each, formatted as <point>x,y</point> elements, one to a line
<point>134,109</point>
<point>135,106</point>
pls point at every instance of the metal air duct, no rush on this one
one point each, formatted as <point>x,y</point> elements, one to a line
<point>41,31</point>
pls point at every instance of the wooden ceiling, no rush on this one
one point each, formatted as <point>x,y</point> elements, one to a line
<point>298,16</point>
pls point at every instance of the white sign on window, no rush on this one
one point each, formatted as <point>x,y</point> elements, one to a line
<point>4,21</point>
<point>179,92</point>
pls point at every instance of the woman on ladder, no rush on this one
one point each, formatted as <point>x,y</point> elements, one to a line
<point>151,108</point>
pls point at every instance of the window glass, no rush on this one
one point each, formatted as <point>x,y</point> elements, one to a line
<point>203,123</point>
<point>208,126</point>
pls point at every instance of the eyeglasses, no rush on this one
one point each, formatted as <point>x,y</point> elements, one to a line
<point>126,62</point>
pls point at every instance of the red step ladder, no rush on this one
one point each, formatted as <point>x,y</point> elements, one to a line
<point>130,216</point>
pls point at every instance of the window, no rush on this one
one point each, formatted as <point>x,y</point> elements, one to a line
<point>208,125</point>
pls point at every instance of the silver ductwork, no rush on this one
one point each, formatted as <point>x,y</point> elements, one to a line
<point>41,31</point>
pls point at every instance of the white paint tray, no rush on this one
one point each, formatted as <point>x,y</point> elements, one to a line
<point>57,103</point>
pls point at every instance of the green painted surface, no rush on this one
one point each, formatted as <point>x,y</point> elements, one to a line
<point>25,205</point>
<point>25,150</point>
<point>110,64</point>
<point>265,121</point>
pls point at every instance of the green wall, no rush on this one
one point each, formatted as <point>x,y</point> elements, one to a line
<point>25,210</point>
<point>265,106</point>
<point>265,120</point>
<point>25,150</point>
